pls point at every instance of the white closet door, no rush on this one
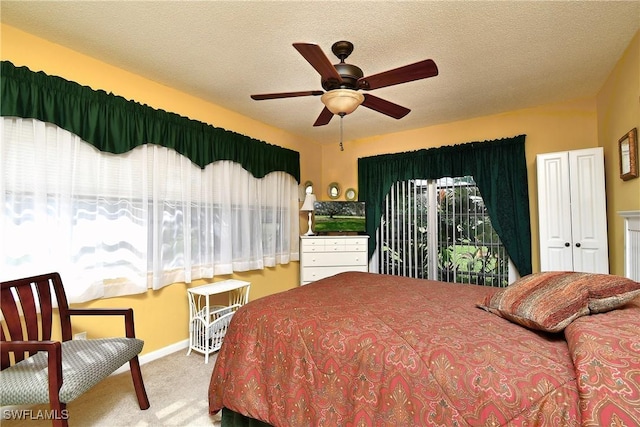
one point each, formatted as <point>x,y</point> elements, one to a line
<point>572,211</point>
<point>554,200</point>
<point>588,211</point>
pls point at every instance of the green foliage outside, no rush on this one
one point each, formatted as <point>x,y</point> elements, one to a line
<point>469,249</point>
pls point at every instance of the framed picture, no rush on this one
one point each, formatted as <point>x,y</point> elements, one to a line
<point>628,148</point>
<point>333,190</point>
<point>350,194</point>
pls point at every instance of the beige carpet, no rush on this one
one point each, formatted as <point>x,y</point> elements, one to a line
<point>176,385</point>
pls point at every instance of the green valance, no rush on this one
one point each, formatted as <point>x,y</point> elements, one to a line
<point>498,167</point>
<point>116,125</point>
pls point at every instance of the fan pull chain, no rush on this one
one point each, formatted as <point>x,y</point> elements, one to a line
<point>341,117</point>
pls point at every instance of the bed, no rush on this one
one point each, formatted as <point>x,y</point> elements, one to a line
<point>369,349</point>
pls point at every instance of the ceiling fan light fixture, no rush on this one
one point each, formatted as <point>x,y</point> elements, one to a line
<point>342,101</point>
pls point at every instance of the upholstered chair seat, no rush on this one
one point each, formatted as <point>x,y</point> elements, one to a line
<point>84,364</point>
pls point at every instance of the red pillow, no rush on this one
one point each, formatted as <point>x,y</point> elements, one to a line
<point>550,301</point>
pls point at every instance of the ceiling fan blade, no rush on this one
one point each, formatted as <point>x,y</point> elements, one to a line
<point>286,95</point>
<point>408,73</point>
<point>324,117</point>
<point>318,60</point>
<point>385,107</point>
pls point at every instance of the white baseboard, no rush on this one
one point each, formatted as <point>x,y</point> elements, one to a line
<point>157,354</point>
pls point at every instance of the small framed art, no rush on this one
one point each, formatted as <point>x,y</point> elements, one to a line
<point>333,190</point>
<point>628,151</point>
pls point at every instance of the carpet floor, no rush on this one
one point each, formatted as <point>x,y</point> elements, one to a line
<point>176,385</point>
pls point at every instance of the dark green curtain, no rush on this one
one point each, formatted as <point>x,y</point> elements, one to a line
<point>116,125</point>
<point>498,167</point>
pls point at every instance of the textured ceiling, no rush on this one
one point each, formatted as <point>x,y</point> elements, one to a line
<point>492,56</point>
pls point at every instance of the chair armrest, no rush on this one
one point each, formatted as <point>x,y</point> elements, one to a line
<point>30,346</point>
<point>54,359</point>
<point>126,312</point>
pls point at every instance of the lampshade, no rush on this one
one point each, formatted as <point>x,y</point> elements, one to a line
<point>342,101</point>
<point>309,199</point>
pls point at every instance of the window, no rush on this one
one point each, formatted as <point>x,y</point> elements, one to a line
<point>440,230</point>
<point>120,224</point>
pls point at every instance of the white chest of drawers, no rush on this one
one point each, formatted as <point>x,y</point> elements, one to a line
<point>324,256</point>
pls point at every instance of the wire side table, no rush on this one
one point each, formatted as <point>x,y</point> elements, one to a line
<point>208,323</point>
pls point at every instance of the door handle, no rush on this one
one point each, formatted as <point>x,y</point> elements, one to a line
<point>577,245</point>
<point>567,244</point>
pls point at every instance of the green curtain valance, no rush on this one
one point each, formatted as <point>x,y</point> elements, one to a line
<point>116,125</point>
<point>498,167</point>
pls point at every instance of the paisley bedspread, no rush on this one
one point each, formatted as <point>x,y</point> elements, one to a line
<point>368,349</point>
<point>605,349</point>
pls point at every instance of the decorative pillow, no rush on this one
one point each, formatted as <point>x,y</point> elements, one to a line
<point>550,301</point>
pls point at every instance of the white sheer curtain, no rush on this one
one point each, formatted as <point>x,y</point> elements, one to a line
<point>119,224</point>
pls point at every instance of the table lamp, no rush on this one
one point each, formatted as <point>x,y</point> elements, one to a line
<point>307,206</point>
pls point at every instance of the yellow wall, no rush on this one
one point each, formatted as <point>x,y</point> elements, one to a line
<point>618,105</point>
<point>162,316</point>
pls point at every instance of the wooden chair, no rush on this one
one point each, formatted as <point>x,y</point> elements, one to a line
<point>36,369</point>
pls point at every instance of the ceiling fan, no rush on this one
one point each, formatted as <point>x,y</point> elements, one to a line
<point>342,83</point>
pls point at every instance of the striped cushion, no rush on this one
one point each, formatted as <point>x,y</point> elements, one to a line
<point>84,364</point>
<point>550,301</point>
